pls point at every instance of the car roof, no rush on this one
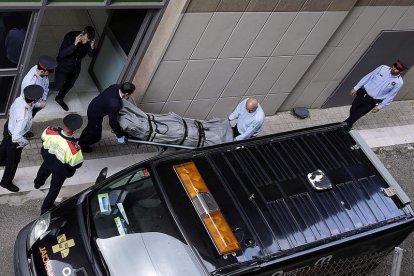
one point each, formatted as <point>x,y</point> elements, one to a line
<point>262,186</point>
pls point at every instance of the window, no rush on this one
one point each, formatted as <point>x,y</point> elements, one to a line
<point>130,204</point>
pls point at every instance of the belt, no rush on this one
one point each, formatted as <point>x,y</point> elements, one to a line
<point>377,101</point>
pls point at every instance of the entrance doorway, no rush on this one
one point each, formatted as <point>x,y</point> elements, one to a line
<point>54,26</point>
<point>386,49</point>
<point>123,32</point>
<point>122,38</point>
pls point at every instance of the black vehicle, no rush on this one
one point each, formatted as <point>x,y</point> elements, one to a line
<point>315,201</point>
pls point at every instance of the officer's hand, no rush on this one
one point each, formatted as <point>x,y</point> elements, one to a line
<point>78,38</point>
<point>20,146</point>
<point>42,104</point>
<point>375,110</point>
<point>121,140</point>
<point>353,92</point>
<point>93,43</point>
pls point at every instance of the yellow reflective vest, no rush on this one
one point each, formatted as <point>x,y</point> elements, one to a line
<point>66,150</point>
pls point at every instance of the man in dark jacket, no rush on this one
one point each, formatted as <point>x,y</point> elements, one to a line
<point>61,157</point>
<point>75,46</point>
<point>108,103</point>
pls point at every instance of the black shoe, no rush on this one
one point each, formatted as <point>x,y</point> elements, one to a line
<point>42,211</point>
<point>29,135</point>
<point>62,104</point>
<point>86,148</point>
<point>38,185</point>
<point>11,187</point>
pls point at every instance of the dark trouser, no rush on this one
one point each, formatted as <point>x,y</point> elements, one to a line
<point>55,185</point>
<point>9,157</point>
<point>64,81</point>
<point>35,110</point>
<point>235,131</point>
<point>92,132</point>
<point>362,104</point>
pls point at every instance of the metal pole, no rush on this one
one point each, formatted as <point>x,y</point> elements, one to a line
<point>159,144</point>
<point>396,262</point>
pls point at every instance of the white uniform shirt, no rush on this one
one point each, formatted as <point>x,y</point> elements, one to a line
<point>248,124</point>
<point>381,84</point>
<point>20,120</point>
<point>33,78</point>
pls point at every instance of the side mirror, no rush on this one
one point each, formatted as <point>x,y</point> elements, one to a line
<point>102,175</point>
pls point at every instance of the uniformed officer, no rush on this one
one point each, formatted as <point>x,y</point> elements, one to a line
<point>108,103</point>
<point>39,74</point>
<point>61,157</point>
<point>19,122</point>
<point>375,91</point>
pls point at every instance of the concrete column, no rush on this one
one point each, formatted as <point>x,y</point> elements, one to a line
<point>158,45</point>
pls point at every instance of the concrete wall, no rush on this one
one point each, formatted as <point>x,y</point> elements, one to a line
<point>286,53</point>
<point>351,40</point>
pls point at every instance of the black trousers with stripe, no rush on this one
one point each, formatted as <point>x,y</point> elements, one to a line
<point>362,104</point>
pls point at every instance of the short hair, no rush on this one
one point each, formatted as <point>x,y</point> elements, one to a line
<point>90,32</point>
<point>127,87</point>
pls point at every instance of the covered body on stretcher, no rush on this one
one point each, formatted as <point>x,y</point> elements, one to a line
<point>171,128</point>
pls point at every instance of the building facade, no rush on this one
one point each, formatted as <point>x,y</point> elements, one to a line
<point>199,58</point>
<point>287,53</point>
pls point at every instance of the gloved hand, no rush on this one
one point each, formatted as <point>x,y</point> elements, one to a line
<point>121,140</point>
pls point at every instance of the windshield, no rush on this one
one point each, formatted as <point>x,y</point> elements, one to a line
<point>132,226</point>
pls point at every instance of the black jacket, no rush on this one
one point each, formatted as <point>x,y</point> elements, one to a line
<point>108,103</point>
<point>70,55</point>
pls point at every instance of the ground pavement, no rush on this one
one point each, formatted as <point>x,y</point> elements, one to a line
<point>391,126</point>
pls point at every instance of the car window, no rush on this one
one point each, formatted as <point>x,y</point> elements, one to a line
<point>130,204</point>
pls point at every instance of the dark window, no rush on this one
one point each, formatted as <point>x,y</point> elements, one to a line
<point>13,30</point>
<point>125,25</point>
<point>5,87</point>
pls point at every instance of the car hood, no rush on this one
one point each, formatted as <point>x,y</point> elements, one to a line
<point>60,250</point>
<point>149,253</point>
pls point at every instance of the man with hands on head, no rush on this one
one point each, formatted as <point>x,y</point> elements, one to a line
<point>375,91</point>
<point>75,46</point>
<point>108,103</point>
<point>18,123</point>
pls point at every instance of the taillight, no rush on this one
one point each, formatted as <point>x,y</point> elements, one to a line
<point>207,208</point>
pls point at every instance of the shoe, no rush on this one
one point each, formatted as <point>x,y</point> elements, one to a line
<point>86,148</point>
<point>37,185</point>
<point>62,104</point>
<point>42,211</point>
<point>11,187</point>
<point>29,135</point>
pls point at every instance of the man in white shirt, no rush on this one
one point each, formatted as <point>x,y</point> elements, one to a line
<point>39,74</point>
<point>375,91</point>
<point>18,123</point>
<point>250,119</point>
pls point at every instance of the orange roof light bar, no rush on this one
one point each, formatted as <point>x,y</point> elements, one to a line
<point>207,208</point>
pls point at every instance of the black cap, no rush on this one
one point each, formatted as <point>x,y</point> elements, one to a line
<point>73,121</point>
<point>400,66</point>
<point>33,92</point>
<point>47,62</point>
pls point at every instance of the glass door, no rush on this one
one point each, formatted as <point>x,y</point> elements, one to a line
<point>14,26</point>
<point>122,35</point>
